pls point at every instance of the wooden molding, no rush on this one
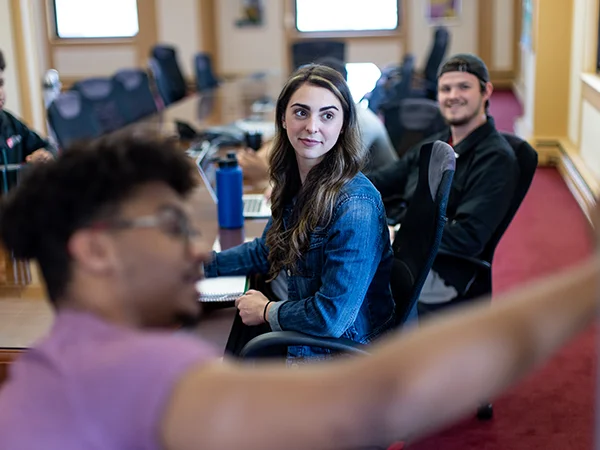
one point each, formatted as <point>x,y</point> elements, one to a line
<point>207,20</point>
<point>502,79</point>
<point>21,61</point>
<point>147,35</point>
<point>518,25</point>
<point>7,357</point>
<point>559,153</point>
<point>485,31</point>
<point>590,90</point>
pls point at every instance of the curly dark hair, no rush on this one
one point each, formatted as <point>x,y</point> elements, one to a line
<point>87,182</point>
<point>2,61</point>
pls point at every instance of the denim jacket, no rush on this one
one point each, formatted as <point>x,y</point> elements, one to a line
<point>340,288</point>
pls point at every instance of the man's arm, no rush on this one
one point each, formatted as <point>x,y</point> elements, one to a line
<point>391,179</point>
<point>486,198</point>
<point>411,385</point>
<point>32,141</point>
<point>244,259</point>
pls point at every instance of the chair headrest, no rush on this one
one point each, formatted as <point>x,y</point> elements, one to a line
<point>442,160</point>
<point>418,113</point>
<point>163,52</point>
<point>95,88</point>
<point>130,79</point>
<point>68,104</point>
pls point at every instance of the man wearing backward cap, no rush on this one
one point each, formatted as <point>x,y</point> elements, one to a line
<point>485,178</point>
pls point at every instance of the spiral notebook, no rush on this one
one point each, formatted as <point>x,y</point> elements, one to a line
<point>221,289</point>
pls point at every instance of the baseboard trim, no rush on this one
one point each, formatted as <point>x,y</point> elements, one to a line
<point>556,152</point>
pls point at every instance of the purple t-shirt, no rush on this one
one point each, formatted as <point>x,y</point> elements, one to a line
<point>94,385</point>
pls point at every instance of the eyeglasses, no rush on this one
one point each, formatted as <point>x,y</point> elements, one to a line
<point>169,220</point>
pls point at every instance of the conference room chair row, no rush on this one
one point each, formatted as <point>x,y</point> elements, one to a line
<point>100,105</point>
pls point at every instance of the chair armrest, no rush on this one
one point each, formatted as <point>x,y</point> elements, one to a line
<point>288,338</point>
<point>480,263</point>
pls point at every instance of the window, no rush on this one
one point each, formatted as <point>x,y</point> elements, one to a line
<point>346,15</point>
<point>362,78</point>
<point>96,18</point>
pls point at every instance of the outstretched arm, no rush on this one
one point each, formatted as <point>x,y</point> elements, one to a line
<point>413,383</point>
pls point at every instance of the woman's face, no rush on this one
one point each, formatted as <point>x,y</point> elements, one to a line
<point>313,122</point>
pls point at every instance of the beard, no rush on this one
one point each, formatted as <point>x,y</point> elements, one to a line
<point>460,121</point>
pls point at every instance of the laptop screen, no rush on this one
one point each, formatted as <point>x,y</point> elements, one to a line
<point>208,169</point>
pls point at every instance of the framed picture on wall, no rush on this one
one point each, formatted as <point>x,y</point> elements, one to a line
<point>252,13</point>
<point>442,11</point>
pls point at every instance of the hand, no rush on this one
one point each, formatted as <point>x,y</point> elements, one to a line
<point>268,192</point>
<point>40,155</point>
<point>254,165</point>
<point>251,306</point>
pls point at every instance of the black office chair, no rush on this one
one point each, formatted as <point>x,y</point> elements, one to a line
<point>108,107</point>
<point>393,85</point>
<point>480,286</point>
<point>167,74</point>
<point>410,121</point>
<point>71,119</point>
<point>10,177</point>
<point>133,86</point>
<point>427,85</point>
<point>415,248</point>
<point>306,52</point>
<point>205,78</point>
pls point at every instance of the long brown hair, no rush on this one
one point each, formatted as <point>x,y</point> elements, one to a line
<point>315,198</point>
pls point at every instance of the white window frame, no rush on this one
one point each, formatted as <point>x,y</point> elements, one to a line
<point>350,33</point>
<point>120,37</point>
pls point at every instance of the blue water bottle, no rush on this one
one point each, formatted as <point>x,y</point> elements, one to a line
<point>230,207</point>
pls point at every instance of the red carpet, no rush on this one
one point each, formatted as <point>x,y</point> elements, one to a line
<point>504,107</point>
<point>553,408</point>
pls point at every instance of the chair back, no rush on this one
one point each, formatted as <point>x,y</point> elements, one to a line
<point>393,86</point>
<point>412,120</point>
<point>439,47</point>
<point>417,242</point>
<point>527,160</point>
<point>309,51</point>
<point>105,103</point>
<point>72,119</point>
<point>205,78</point>
<point>481,283</point>
<point>10,176</point>
<point>17,272</point>
<point>133,87</point>
<point>167,73</point>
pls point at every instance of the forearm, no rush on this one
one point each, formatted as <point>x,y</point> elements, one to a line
<point>447,367</point>
<point>414,383</point>
<point>466,237</point>
<point>390,180</point>
<point>245,259</point>
<point>310,316</point>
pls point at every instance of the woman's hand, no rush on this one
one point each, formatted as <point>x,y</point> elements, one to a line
<point>40,155</point>
<point>254,165</point>
<point>251,306</point>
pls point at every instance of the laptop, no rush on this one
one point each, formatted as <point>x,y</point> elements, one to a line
<point>256,206</point>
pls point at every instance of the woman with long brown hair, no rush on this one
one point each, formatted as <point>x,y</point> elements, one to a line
<point>326,249</point>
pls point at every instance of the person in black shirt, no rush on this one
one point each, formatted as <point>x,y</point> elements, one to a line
<point>485,178</point>
<point>18,143</point>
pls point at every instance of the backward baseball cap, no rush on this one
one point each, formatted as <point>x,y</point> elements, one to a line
<point>466,62</point>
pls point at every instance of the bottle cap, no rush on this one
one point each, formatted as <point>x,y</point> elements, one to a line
<point>227,163</point>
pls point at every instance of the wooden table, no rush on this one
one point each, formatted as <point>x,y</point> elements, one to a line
<point>25,320</point>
